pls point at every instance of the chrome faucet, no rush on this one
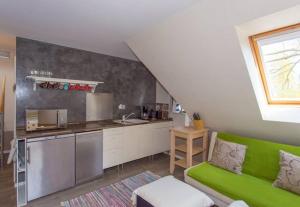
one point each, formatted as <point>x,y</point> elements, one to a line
<point>124,117</point>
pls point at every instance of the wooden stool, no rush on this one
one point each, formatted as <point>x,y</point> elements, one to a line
<point>189,135</point>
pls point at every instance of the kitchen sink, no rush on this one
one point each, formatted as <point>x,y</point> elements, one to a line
<point>131,121</point>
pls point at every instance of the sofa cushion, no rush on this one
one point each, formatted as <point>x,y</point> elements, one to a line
<point>228,155</point>
<point>262,157</point>
<point>289,174</point>
<point>254,191</point>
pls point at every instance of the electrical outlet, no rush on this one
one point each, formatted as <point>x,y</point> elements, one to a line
<point>122,107</point>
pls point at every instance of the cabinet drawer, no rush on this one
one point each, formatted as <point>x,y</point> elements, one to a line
<point>112,141</point>
<point>113,131</point>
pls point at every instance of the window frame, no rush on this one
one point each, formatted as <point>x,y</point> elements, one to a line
<point>258,59</point>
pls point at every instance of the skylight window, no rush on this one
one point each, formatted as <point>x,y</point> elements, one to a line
<point>277,55</point>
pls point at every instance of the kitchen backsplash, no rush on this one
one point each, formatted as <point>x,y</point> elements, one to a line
<point>130,82</point>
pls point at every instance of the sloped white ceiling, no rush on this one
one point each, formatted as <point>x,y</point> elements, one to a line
<point>196,56</point>
<point>96,25</point>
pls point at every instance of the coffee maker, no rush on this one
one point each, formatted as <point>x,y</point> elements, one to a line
<point>155,111</point>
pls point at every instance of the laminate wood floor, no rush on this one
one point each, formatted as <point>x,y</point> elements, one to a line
<point>159,165</point>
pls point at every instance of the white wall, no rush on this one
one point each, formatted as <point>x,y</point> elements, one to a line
<point>7,69</point>
<point>162,96</point>
<point>283,113</point>
<point>196,56</point>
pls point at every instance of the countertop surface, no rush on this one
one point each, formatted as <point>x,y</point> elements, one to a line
<point>77,128</point>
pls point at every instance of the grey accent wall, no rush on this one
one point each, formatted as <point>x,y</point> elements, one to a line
<point>129,81</point>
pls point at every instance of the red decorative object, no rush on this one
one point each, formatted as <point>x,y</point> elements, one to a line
<point>79,87</point>
<point>72,87</point>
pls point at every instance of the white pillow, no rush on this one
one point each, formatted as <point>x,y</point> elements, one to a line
<point>238,204</point>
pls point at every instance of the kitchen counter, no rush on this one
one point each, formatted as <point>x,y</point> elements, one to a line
<point>77,128</point>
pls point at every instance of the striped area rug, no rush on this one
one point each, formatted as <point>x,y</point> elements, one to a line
<point>115,195</point>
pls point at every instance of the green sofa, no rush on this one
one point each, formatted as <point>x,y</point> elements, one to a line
<point>254,186</point>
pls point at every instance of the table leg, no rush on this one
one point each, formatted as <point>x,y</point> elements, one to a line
<point>189,152</point>
<point>172,152</point>
<point>205,147</point>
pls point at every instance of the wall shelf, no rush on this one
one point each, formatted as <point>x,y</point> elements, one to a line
<point>40,80</point>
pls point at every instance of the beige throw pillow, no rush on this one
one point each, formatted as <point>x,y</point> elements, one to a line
<point>289,174</point>
<point>228,155</point>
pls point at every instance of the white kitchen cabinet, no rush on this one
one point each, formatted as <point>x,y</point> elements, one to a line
<point>161,140</point>
<point>132,138</point>
<point>146,145</point>
<point>165,139</point>
<point>124,144</point>
<point>113,147</point>
<point>160,137</point>
<point>112,158</point>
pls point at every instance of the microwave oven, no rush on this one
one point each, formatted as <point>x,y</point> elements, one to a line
<point>46,119</point>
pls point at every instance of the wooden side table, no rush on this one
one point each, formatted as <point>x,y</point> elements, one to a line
<point>189,135</point>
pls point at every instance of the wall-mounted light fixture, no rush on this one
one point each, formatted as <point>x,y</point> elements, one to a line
<point>4,54</point>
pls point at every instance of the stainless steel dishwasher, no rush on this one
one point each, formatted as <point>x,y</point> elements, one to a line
<point>89,155</point>
<point>50,165</point>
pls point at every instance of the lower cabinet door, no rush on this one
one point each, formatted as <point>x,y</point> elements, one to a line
<point>50,165</point>
<point>161,140</point>
<point>145,141</point>
<point>112,158</point>
<point>131,144</point>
